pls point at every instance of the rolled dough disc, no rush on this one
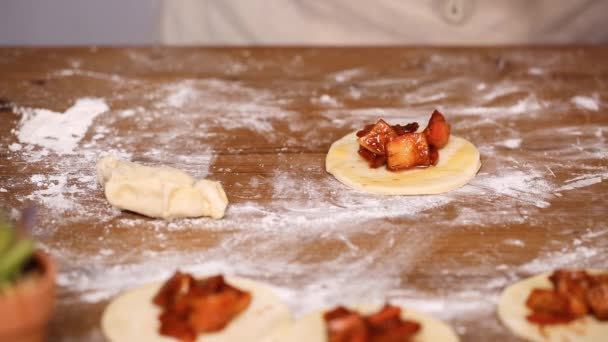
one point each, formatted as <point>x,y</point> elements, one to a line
<point>133,317</point>
<point>311,327</point>
<point>512,311</point>
<point>458,164</point>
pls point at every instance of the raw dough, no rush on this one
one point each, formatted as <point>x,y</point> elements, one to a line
<point>512,311</point>
<point>311,327</point>
<point>458,164</point>
<point>133,317</point>
<point>159,191</point>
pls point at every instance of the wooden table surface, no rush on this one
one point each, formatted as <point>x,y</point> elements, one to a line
<point>261,120</point>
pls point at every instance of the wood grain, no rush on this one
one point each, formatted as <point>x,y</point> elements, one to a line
<point>456,248</point>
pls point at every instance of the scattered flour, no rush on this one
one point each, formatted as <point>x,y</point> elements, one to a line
<point>59,132</point>
<point>55,195</point>
<point>514,242</point>
<point>510,143</point>
<point>580,257</point>
<point>536,71</point>
<point>326,100</point>
<point>270,241</point>
<point>3,190</point>
<point>14,147</point>
<point>586,102</point>
<point>346,75</point>
<point>180,94</point>
<point>580,183</point>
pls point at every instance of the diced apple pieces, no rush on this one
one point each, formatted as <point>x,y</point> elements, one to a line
<point>408,151</point>
<point>375,141</point>
<point>438,130</point>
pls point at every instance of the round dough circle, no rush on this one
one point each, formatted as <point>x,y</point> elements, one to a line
<point>311,327</point>
<point>512,311</point>
<point>458,164</point>
<point>133,317</point>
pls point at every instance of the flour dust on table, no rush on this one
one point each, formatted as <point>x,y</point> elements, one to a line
<point>290,224</point>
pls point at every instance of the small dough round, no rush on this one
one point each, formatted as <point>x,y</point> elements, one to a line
<point>512,311</point>
<point>133,317</point>
<point>311,327</point>
<point>458,164</point>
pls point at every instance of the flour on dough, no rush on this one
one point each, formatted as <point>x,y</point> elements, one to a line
<point>163,192</point>
<point>311,327</point>
<point>512,311</point>
<point>458,163</point>
<point>133,317</point>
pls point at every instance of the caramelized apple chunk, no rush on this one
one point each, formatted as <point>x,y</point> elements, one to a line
<point>548,302</point>
<point>408,151</point>
<point>377,138</point>
<point>438,130</point>
<point>598,301</point>
<point>574,295</point>
<point>177,285</point>
<point>345,326</point>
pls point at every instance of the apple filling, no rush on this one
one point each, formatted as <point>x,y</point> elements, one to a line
<point>575,294</point>
<point>386,325</point>
<point>192,306</point>
<point>402,147</point>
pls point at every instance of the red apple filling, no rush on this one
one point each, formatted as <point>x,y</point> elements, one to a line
<point>575,294</point>
<point>190,306</point>
<point>385,325</point>
<point>400,147</point>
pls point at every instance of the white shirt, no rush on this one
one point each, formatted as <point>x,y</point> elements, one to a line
<point>348,22</point>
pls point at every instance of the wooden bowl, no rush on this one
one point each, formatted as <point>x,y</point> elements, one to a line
<point>26,308</point>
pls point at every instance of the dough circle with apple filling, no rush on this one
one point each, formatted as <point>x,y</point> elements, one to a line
<point>548,323</point>
<point>134,317</point>
<point>446,163</point>
<point>313,328</point>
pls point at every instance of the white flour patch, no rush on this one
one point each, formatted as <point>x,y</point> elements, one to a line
<point>3,190</point>
<point>510,143</point>
<point>586,102</point>
<point>536,71</point>
<point>415,98</point>
<point>514,242</point>
<point>14,147</point>
<point>527,106</point>
<point>180,94</point>
<point>567,257</point>
<point>90,74</point>
<point>225,104</point>
<point>346,75</point>
<point>580,184</point>
<point>59,132</point>
<point>54,192</point>
<point>520,186</point>
<point>499,91</point>
<point>326,100</point>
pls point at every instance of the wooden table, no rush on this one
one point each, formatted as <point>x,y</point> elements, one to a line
<point>261,120</point>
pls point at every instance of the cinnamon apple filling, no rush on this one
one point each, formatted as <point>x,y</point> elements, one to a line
<point>575,294</point>
<point>402,147</point>
<point>192,306</point>
<point>386,325</point>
